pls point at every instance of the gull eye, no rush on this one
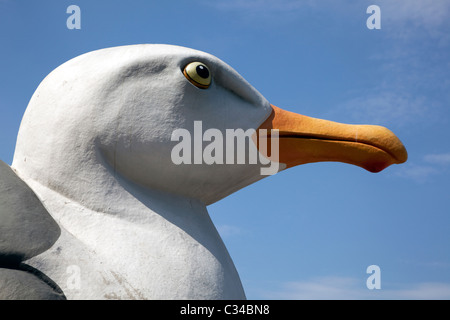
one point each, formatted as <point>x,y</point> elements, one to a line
<point>198,74</point>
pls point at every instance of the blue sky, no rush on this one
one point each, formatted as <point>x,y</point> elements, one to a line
<point>310,231</point>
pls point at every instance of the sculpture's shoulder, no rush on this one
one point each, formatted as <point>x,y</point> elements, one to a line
<point>26,230</point>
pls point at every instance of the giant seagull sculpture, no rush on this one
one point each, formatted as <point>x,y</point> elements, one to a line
<point>93,191</point>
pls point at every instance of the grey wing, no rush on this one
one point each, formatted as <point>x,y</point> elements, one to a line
<point>26,285</point>
<point>26,230</point>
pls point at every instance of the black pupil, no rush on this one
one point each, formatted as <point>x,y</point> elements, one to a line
<point>202,71</point>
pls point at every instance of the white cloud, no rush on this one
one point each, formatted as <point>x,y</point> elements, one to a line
<point>434,164</point>
<point>402,14</point>
<point>418,173</point>
<point>410,65</point>
<point>442,159</point>
<point>228,230</point>
<point>411,62</point>
<point>320,289</point>
<point>385,107</point>
<point>345,288</point>
<point>408,18</point>
<point>422,291</point>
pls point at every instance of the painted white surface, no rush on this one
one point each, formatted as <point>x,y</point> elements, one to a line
<point>94,144</point>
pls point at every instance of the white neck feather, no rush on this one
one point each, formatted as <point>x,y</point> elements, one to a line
<point>144,245</point>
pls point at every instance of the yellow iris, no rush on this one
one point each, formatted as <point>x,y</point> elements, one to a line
<point>198,74</point>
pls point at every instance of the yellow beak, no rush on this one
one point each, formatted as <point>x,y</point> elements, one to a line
<point>304,139</point>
